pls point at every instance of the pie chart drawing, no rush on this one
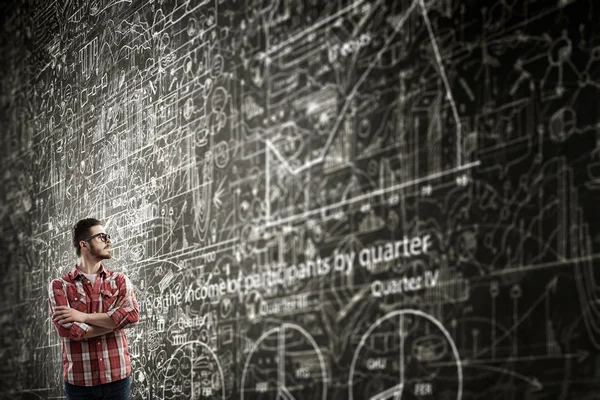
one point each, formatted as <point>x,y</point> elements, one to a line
<point>406,354</point>
<point>285,363</point>
<point>193,372</point>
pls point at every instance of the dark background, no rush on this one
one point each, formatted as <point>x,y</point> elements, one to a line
<point>219,140</point>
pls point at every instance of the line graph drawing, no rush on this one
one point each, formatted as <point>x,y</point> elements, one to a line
<point>422,10</point>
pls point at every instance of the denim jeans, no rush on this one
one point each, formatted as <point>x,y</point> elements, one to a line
<point>118,390</point>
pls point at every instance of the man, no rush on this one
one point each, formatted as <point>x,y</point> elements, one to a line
<point>90,307</point>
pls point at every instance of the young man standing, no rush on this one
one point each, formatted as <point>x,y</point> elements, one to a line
<point>90,307</point>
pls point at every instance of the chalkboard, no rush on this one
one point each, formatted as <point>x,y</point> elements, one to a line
<point>341,199</point>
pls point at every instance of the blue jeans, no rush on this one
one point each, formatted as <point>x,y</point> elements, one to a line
<point>118,390</point>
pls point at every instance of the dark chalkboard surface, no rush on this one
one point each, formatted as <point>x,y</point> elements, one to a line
<point>366,199</point>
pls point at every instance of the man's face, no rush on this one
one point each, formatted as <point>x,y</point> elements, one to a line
<point>98,248</point>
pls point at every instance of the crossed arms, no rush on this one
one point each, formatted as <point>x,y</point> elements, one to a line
<point>76,325</point>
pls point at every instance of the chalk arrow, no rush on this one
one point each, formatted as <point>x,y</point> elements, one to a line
<point>218,194</point>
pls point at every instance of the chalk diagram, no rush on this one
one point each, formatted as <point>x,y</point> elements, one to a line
<point>331,151</point>
<point>193,372</point>
<point>394,360</point>
<point>285,363</point>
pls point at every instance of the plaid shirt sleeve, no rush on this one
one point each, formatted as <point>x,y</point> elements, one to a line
<point>128,316</point>
<point>57,295</point>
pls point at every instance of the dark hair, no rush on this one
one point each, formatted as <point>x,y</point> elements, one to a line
<point>81,230</point>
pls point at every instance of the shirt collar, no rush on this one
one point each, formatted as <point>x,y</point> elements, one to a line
<point>75,273</point>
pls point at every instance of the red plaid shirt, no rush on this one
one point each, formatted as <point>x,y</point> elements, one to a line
<point>101,359</point>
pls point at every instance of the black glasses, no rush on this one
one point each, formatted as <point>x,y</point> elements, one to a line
<point>105,237</point>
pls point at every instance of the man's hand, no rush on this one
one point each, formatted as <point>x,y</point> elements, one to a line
<point>66,314</point>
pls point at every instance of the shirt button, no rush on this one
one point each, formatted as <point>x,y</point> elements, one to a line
<point>98,343</point>
<point>75,298</point>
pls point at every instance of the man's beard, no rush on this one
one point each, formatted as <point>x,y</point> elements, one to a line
<point>98,254</point>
